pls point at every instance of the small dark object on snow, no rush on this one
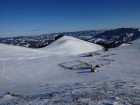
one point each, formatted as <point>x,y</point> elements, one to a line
<point>105,49</point>
<point>11,94</point>
<point>97,66</point>
<point>93,68</point>
<point>8,93</point>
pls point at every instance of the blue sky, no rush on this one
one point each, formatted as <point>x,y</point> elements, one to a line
<point>32,17</point>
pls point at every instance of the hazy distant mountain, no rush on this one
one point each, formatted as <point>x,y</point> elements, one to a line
<point>108,38</point>
<point>116,37</point>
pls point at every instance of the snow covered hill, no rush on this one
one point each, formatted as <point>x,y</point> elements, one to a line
<point>19,64</point>
<point>67,45</point>
<point>57,74</point>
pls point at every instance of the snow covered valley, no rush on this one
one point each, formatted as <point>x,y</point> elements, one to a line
<point>60,74</point>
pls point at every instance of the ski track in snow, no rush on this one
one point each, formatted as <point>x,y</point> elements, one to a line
<point>3,72</point>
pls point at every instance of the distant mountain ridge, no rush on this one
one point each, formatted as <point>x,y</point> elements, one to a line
<point>116,37</point>
<point>39,41</point>
<point>107,38</point>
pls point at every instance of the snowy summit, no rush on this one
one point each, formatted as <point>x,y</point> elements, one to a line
<point>67,45</point>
